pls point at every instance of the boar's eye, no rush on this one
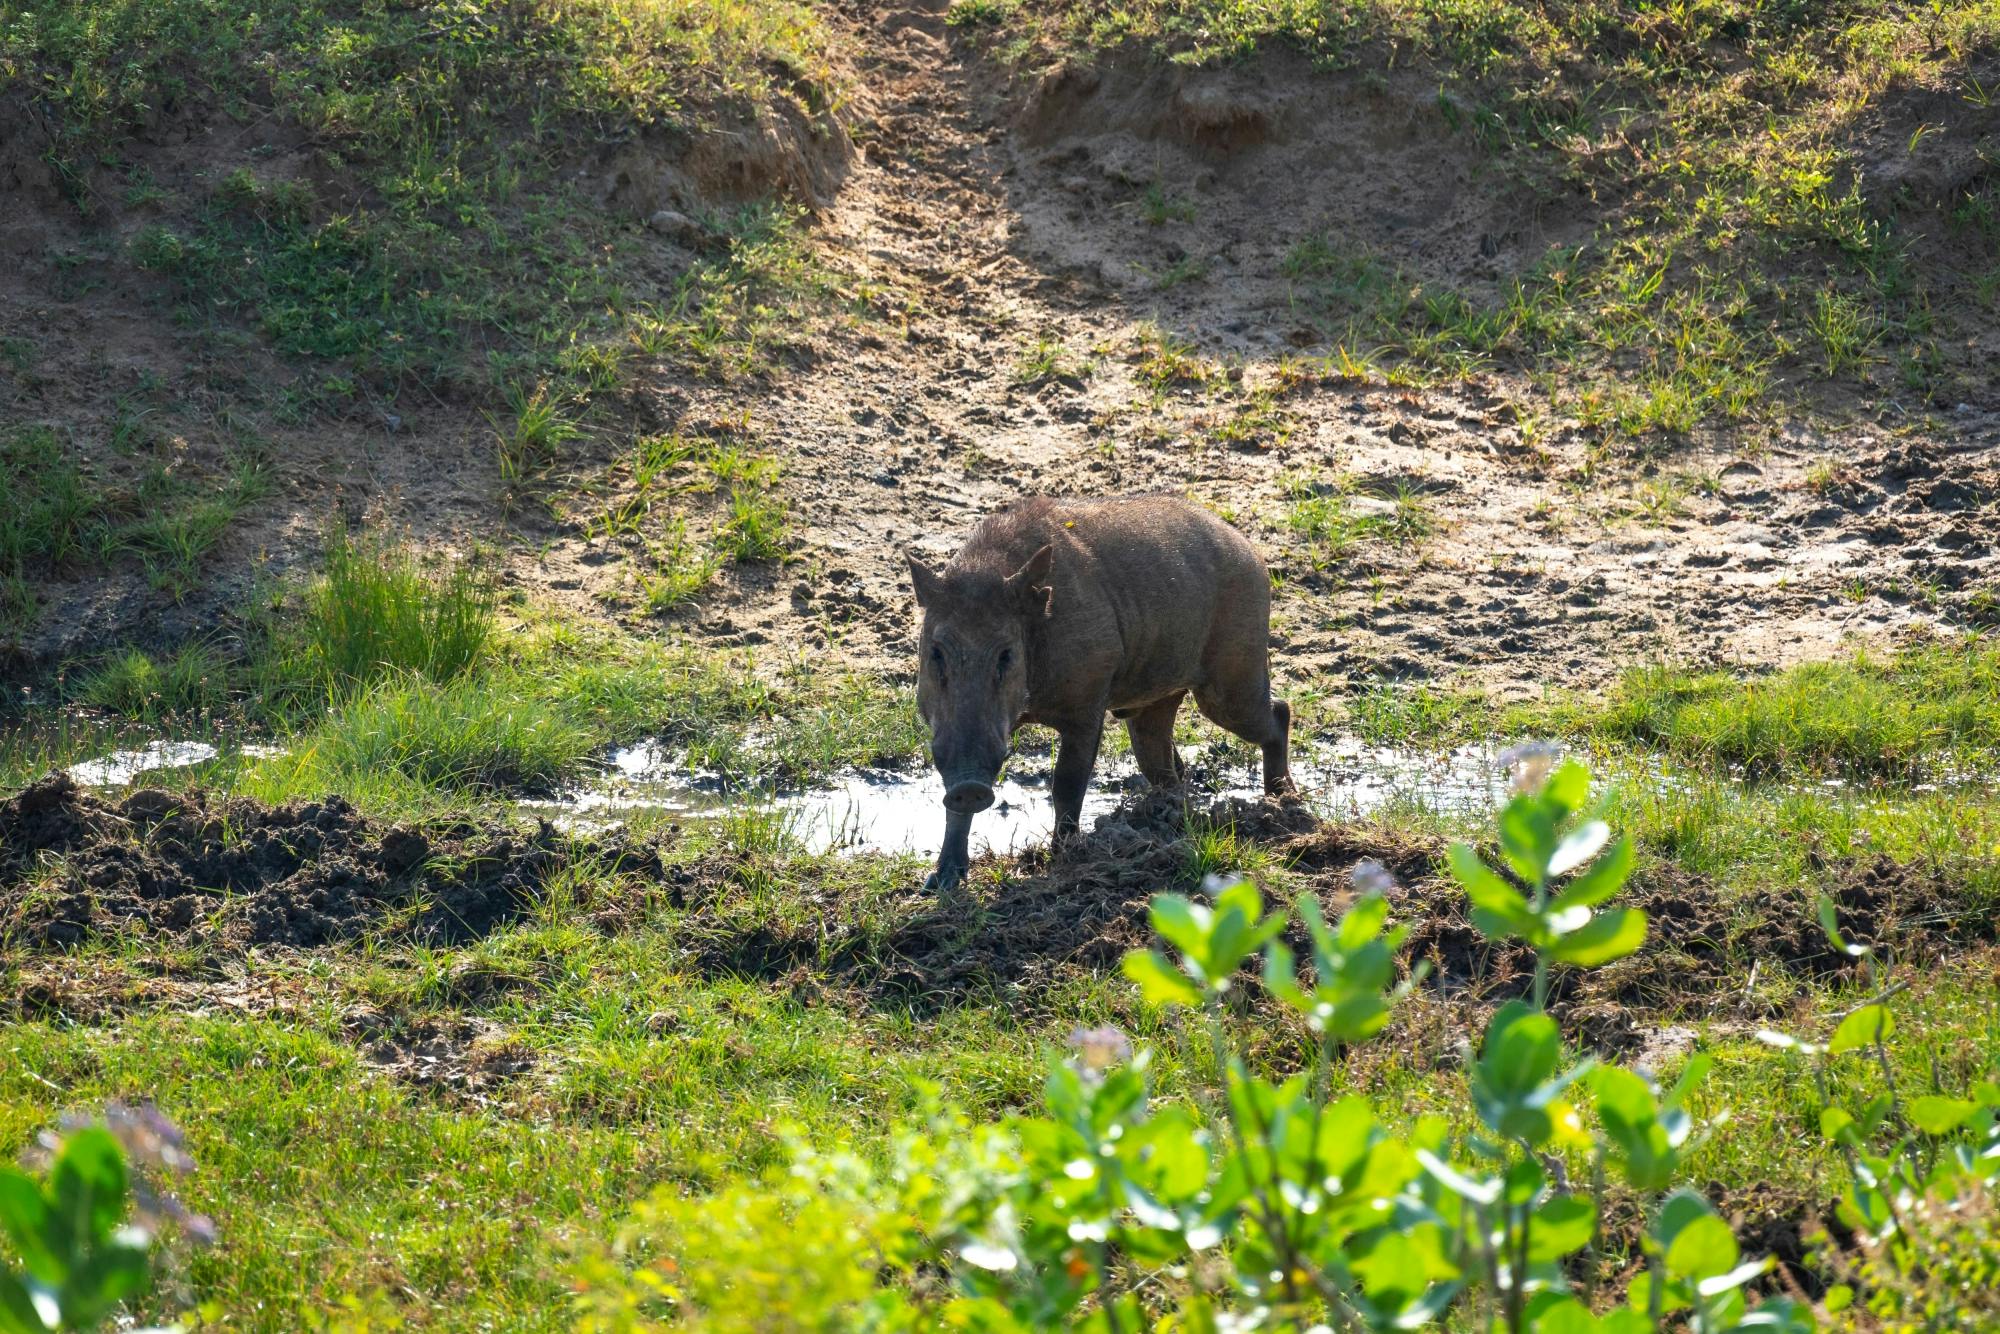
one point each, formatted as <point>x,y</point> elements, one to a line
<point>1006,660</point>
<point>937,660</point>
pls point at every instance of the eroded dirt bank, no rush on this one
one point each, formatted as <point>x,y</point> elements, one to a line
<point>1090,270</point>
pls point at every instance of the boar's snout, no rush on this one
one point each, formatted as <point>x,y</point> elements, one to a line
<point>968,798</point>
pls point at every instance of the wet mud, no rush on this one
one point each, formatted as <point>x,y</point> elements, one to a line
<point>190,870</point>
<point>234,872</point>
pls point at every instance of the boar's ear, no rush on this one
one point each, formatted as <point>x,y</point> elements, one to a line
<point>1029,585</point>
<point>929,587</point>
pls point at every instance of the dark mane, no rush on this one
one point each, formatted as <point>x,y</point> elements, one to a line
<point>999,546</point>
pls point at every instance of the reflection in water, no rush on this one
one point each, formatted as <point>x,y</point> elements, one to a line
<point>903,812</point>
<point>121,767</point>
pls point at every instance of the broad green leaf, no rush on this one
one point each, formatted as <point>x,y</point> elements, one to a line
<point>1527,838</point>
<point>1836,1122</point>
<point>1579,846</point>
<point>1482,884</point>
<point>1861,1029</point>
<point>1159,981</point>
<point>1183,922</point>
<point>1828,922</point>
<point>1362,922</point>
<point>1521,1049</point>
<point>88,1187</point>
<point>1481,1192</point>
<point>17,1309</point>
<point>1704,1248</point>
<point>24,1212</point>
<point>114,1272</point>
<point>1736,1277</point>
<point>1938,1115</point>
<point>1281,974</point>
<point>1561,1226</point>
<point>1608,936</point>
<point>1358,1017</point>
<point>1605,877</point>
<point>1638,1297</point>
<point>1568,787</point>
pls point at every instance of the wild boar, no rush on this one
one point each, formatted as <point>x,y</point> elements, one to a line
<point>1057,611</point>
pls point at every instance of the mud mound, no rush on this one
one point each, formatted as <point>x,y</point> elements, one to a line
<point>193,868</point>
<point>1703,943</point>
<point>1055,915</point>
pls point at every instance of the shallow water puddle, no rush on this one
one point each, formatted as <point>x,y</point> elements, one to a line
<point>121,767</point>
<point>901,811</point>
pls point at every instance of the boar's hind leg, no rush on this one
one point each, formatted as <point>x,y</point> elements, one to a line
<point>1076,757</point>
<point>1152,733</point>
<point>1248,710</point>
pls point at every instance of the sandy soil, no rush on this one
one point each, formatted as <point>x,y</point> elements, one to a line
<point>1016,214</point>
<point>1004,214</point>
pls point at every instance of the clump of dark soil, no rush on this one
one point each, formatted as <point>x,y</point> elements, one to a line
<point>237,872</point>
<point>1079,911</point>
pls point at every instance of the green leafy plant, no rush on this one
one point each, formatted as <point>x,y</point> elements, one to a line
<point>1277,1203</point>
<point>82,1231</point>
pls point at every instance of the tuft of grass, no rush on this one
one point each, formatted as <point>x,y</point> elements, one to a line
<point>1394,714</point>
<point>1862,716</point>
<point>758,527</point>
<point>186,684</point>
<point>1160,206</point>
<point>474,733</point>
<point>1047,359</point>
<point>676,571</point>
<point>538,431</point>
<point>378,609</point>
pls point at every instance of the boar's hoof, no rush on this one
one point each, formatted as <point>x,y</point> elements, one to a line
<point>968,798</point>
<point>943,879</point>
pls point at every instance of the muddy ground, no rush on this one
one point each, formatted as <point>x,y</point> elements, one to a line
<point>999,211</point>
<point>187,876</point>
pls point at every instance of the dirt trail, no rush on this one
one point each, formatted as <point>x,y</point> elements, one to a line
<point>1128,225</point>
<point>1022,215</point>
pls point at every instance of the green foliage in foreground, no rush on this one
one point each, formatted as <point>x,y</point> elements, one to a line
<point>80,1257</point>
<point>1276,1205</point>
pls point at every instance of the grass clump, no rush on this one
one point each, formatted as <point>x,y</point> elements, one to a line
<point>378,609</point>
<point>60,516</point>
<point>470,734</point>
<point>1862,716</point>
<point>188,683</point>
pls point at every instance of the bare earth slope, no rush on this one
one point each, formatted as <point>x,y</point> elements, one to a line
<point>1095,266</point>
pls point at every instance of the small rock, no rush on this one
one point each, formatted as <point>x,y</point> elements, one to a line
<point>677,227</point>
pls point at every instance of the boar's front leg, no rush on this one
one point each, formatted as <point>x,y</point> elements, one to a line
<point>953,857</point>
<point>1075,758</point>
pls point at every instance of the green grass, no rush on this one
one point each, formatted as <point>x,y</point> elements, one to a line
<point>1928,712</point>
<point>1911,714</point>
<point>61,516</point>
<point>1738,258</point>
<point>376,609</point>
<point>636,1066</point>
<point>437,237</point>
